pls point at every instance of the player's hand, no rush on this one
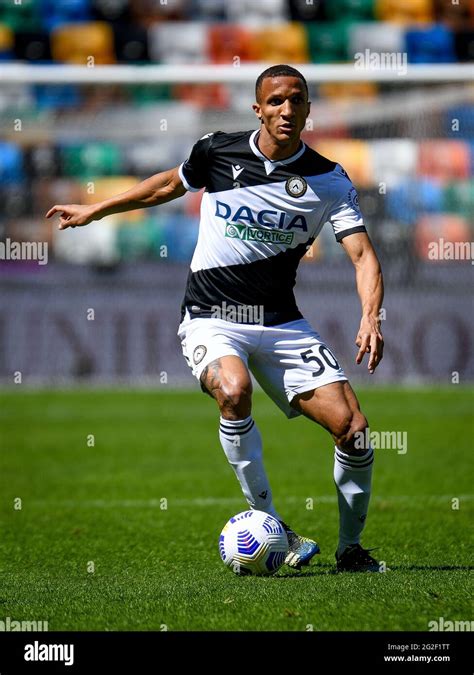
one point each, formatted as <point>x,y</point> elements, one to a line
<point>72,215</point>
<point>370,341</point>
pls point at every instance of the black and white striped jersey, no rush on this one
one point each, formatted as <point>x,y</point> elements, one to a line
<point>258,218</point>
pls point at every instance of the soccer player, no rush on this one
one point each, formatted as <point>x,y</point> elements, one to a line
<point>267,196</point>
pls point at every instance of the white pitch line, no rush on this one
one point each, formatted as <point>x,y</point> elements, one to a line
<point>224,501</point>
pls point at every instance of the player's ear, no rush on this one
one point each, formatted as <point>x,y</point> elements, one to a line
<point>309,108</point>
<point>257,110</point>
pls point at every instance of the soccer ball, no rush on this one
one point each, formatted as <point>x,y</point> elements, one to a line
<point>253,542</point>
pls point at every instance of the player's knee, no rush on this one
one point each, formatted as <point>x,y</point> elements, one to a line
<point>235,399</point>
<point>350,433</point>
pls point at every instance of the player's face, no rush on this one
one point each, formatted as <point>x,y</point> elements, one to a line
<point>283,108</point>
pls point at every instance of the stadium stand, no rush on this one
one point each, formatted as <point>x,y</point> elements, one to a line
<point>102,134</point>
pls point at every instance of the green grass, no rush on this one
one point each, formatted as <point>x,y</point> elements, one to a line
<point>156,566</point>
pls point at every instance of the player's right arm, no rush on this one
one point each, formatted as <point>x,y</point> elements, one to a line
<point>158,189</point>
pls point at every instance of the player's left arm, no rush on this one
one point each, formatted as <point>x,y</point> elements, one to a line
<point>370,289</point>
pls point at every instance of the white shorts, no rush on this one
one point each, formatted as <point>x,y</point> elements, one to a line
<point>286,360</point>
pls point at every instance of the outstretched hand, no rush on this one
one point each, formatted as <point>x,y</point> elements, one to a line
<point>370,341</point>
<point>72,215</point>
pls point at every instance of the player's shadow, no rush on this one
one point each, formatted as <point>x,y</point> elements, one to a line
<point>326,568</point>
<point>439,568</point>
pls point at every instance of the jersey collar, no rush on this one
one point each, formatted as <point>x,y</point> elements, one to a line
<point>271,165</point>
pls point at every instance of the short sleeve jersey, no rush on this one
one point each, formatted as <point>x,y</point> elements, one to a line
<point>258,218</point>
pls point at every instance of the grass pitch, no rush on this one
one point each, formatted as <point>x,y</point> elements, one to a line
<point>124,494</point>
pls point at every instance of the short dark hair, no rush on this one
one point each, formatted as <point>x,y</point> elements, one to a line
<point>275,71</point>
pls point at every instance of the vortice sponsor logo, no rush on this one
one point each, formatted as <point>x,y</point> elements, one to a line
<point>238,231</point>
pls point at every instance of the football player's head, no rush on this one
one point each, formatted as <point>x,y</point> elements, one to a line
<point>282,103</point>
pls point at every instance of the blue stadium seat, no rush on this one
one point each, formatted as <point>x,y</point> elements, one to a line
<point>181,233</point>
<point>459,121</point>
<point>51,96</point>
<point>412,198</point>
<point>434,44</point>
<point>11,163</point>
<point>56,12</point>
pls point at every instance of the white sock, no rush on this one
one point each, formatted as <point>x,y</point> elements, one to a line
<point>242,445</point>
<point>353,476</point>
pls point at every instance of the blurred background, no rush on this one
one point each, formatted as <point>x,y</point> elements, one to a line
<point>107,305</point>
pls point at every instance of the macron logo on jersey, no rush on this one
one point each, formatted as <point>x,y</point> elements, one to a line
<point>266,217</point>
<point>236,170</point>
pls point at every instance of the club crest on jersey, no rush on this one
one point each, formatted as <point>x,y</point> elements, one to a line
<point>199,353</point>
<point>353,198</point>
<point>296,186</point>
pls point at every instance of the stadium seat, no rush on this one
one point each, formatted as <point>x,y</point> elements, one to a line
<point>378,37</point>
<point>131,43</point>
<point>136,241</point>
<point>209,10</point>
<point>11,163</point>
<point>372,205</point>
<point>6,43</point>
<point>149,12</point>
<point>284,43</point>
<point>56,12</point>
<point>192,203</point>
<point>328,42</point>
<point>434,44</point>
<point>148,94</point>
<point>16,200</point>
<point>393,159</point>
<point>262,12</point>
<point>464,45</point>
<point>352,10</point>
<point>143,158</point>
<point>104,188</point>
<point>46,192</point>
<point>431,229</point>
<point>459,121</point>
<point>32,47</point>
<point>413,197</point>
<point>226,41</point>
<point>180,233</point>
<point>88,160</point>
<point>353,155</point>
<point>77,43</point>
<point>301,10</point>
<point>444,160</point>
<point>22,16</point>
<point>174,42</point>
<point>113,11</point>
<point>215,96</point>
<point>42,160</point>
<point>404,11</point>
<point>453,14</point>
<point>459,198</point>
<point>57,96</point>
<point>348,90</point>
